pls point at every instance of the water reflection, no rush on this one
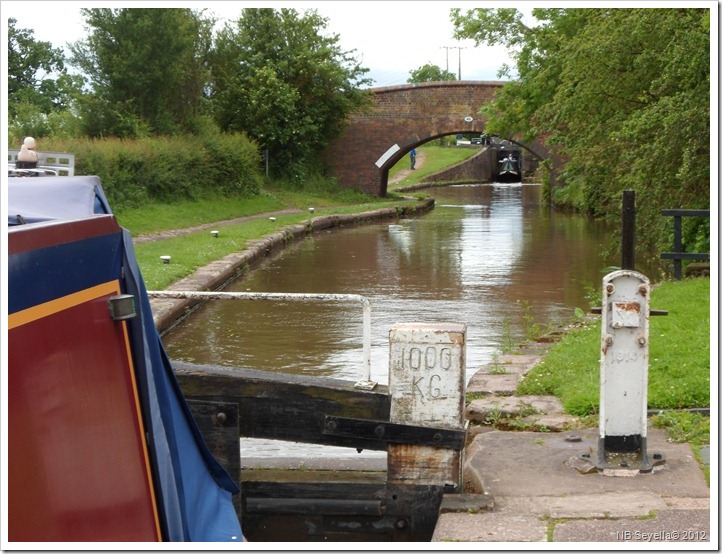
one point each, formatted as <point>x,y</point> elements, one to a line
<point>487,256</point>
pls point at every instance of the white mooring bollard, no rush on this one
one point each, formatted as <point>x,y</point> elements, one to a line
<point>427,384</point>
<point>623,375</point>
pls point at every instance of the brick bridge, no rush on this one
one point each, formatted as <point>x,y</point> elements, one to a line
<point>401,118</point>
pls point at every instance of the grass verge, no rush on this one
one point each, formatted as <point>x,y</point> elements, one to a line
<point>194,250</point>
<point>178,215</point>
<point>164,217</point>
<point>679,358</point>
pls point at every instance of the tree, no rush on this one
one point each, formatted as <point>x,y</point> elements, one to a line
<point>429,72</point>
<point>288,86</point>
<point>624,94</point>
<point>36,74</point>
<point>147,69</point>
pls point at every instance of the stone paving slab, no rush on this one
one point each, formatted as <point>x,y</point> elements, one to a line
<point>489,527</point>
<point>519,464</point>
<point>524,360</point>
<point>613,504</point>
<point>521,369</point>
<point>481,409</point>
<point>466,503</point>
<point>555,423</point>
<point>493,384</point>
<point>684,526</point>
<point>502,369</point>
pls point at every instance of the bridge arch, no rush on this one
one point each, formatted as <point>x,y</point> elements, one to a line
<point>404,117</point>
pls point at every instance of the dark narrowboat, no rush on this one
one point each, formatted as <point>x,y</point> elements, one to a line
<point>509,169</point>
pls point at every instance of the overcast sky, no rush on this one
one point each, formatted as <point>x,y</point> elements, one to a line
<point>391,38</point>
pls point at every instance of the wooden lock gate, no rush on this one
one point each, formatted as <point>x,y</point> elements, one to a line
<point>424,458</point>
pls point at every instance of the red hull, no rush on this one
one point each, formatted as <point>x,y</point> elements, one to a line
<point>77,461</point>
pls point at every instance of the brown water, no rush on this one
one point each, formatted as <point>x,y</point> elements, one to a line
<point>488,256</point>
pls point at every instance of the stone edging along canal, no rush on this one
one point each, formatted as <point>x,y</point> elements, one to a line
<point>214,276</point>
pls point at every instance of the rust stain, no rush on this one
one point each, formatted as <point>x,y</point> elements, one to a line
<point>628,306</point>
<point>422,464</point>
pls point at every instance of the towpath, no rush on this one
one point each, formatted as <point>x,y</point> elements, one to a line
<point>404,173</point>
<point>162,235</point>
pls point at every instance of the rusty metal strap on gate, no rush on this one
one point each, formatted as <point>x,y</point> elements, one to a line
<point>452,439</point>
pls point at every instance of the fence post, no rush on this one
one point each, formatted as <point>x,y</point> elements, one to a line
<point>628,217</point>
<point>427,384</point>
<point>677,246</point>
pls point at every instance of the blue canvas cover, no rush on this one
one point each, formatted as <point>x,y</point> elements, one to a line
<point>194,492</point>
<point>35,199</point>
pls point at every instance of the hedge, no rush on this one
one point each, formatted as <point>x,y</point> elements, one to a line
<point>133,172</point>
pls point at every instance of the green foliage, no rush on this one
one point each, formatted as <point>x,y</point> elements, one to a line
<point>31,65</point>
<point>593,294</point>
<point>679,359</point>
<point>167,169</point>
<point>533,328</point>
<point>284,83</point>
<point>430,72</point>
<point>691,427</point>
<point>622,95</point>
<point>147,68</point>
<point>696,236</point>
<point>30,121</point>
<point>40,91</point>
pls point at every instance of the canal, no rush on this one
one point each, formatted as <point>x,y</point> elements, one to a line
<point>490,256</point>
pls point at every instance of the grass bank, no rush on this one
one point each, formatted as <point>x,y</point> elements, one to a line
<point>679,356</point>
<point>436,158</point>
<point>194,250</point>
<point>154,217</point>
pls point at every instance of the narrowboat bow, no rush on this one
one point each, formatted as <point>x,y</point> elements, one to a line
<point>101,443</point>
<point>508,168</point>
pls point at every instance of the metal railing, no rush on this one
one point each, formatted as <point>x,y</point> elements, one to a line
<point>62,163</point>
<point>679,254</point>
<point>365,383</point>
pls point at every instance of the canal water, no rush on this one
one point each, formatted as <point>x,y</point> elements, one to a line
<point>490,256</point>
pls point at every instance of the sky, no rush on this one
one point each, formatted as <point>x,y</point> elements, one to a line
<point>391,38</point>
